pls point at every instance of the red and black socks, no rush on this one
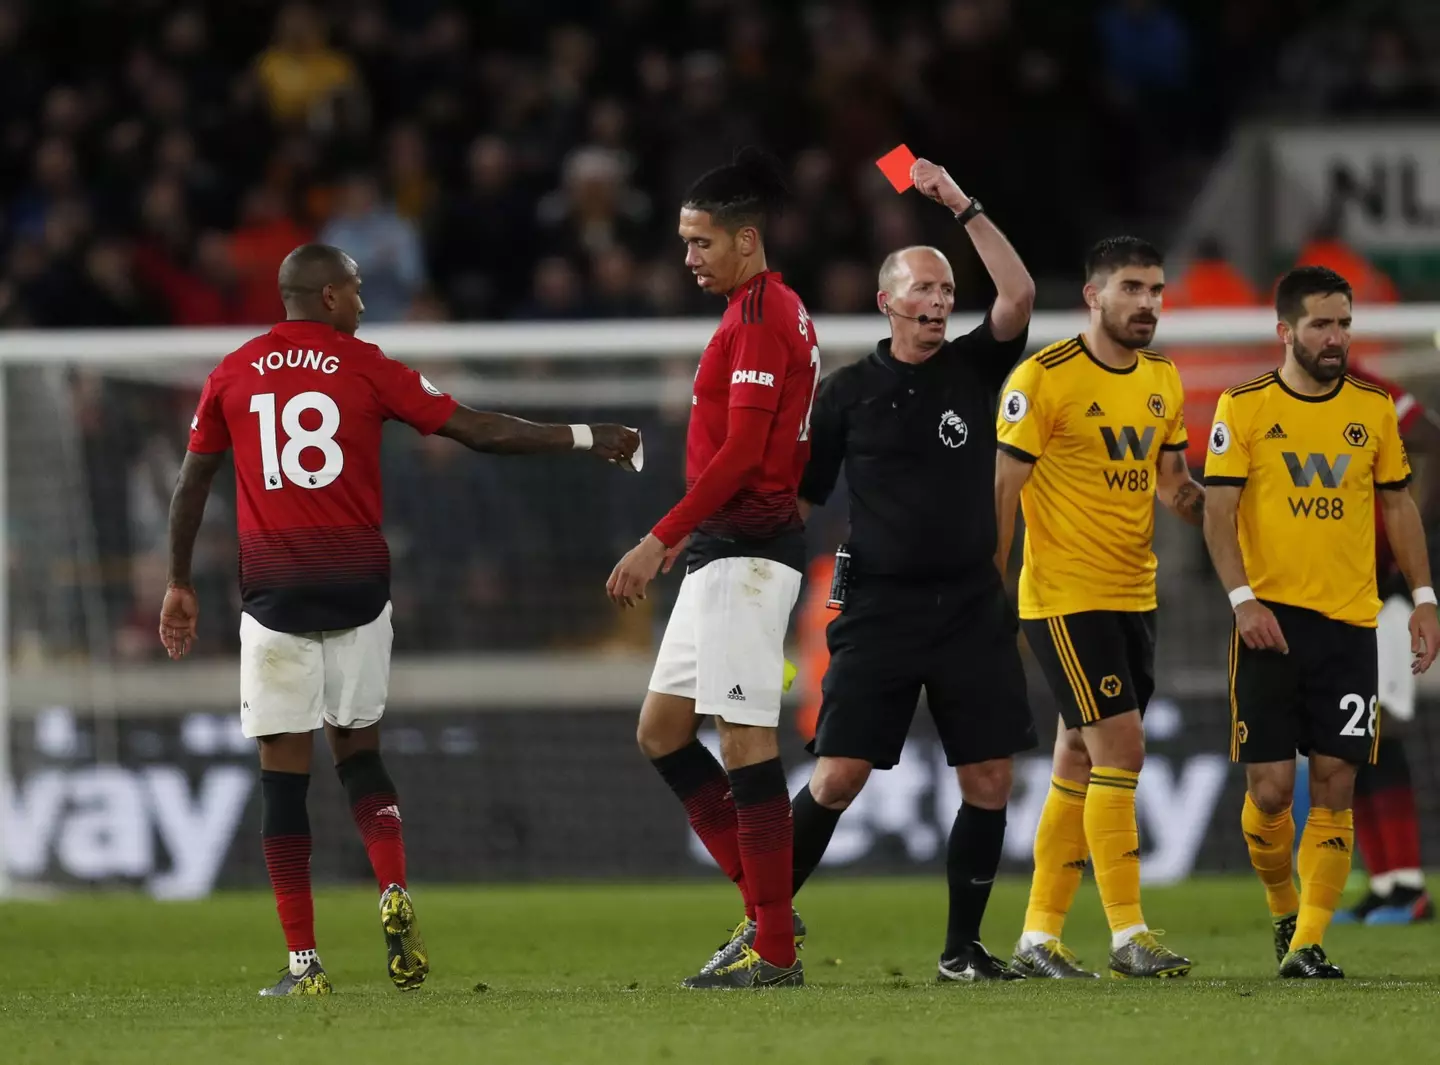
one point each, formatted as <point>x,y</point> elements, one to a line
<point>285,832</point>
<point>762,811</point>
<point>700,783</point>
<point>376,810</point>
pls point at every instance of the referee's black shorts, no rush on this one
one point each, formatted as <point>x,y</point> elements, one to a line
<point>957,640</point>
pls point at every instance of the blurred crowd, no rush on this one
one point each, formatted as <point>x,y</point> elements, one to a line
<point>524,160</point>
<point>520,160</point>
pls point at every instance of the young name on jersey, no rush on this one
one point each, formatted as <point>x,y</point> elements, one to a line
<point>303,409</point>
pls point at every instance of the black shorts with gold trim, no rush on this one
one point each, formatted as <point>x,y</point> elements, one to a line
<point>1099,662</point>
<point>1320,698</point>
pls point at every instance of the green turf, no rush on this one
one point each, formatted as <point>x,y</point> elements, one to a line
<point>588,974</point>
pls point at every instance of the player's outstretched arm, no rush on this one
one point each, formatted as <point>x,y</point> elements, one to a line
<point>181,611</point>
<point>503,434</point>
<point>1407,541</point>
<point>1257,624</point>
<point>1180,493</point>
<point>1010,476</point>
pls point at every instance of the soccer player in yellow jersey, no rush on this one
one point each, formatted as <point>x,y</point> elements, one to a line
<point>1091,432</point>
<point>1296,459</point>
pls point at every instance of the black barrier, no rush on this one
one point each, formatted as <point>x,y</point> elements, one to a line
<point>532,795</point>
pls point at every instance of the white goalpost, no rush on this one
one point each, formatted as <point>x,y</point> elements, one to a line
<point>54,575</point>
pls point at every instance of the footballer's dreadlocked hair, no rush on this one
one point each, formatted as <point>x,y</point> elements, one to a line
<point>746,192</point>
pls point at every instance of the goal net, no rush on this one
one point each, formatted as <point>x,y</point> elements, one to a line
<point>515,681</point>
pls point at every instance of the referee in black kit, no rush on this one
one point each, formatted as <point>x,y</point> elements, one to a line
<point>924,605</point>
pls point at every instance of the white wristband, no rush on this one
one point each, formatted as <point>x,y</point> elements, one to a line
<point>1423,595</point>
<point>1243,594</point>
<point>584,438</point>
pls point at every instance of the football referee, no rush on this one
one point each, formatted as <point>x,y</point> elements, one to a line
<point>913,424</point>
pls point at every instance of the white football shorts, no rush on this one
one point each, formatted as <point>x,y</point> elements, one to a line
<point>724,646</point>
<point>1397,683</point>
<point>295,681</point>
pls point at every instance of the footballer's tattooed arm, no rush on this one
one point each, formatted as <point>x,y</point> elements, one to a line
<point>1178,490</point>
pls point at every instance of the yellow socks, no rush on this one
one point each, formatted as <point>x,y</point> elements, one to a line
<point>1271,840</point>
<point>1060,851</point>
<point>1324,860</point>
<point>1115,845</point>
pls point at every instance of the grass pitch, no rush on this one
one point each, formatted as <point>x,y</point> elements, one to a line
<point>588,974</point>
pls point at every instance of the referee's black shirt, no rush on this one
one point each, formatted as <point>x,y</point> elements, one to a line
<point>918,447</point>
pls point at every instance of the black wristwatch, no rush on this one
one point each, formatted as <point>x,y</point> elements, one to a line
<point>970,212</point>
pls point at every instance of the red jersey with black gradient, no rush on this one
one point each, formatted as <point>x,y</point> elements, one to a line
<point>303,408</point>
<point>1408,411</point>
<point>748,439</point>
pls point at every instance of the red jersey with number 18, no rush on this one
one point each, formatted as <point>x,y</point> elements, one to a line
<point>303,408</point>
<point>764,355</point>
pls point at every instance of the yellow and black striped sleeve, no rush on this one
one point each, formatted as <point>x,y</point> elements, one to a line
<point>1228,459</point>
<point>1392,465</point>
<point>1026,418</point>
<point>1176,438</point>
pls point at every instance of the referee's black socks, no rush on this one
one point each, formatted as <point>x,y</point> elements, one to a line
<point>971,861</point>
<point>814,825</point>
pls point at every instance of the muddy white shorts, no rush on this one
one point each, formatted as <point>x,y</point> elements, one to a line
<point>724,646</point>
<point>295,681</point>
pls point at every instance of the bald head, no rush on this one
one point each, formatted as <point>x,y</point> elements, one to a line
<point>902,267</point>
<point>917,294</point>
<point>310,267</point>
<point>321,283</point>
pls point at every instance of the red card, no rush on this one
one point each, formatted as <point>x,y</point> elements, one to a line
<point>895,165</point>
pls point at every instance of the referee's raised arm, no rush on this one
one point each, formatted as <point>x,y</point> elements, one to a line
<point>1014,287</point>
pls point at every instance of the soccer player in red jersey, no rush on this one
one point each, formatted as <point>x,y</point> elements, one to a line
<point>303,408</point>
<point>1387,827</point>
<point>723,650</point>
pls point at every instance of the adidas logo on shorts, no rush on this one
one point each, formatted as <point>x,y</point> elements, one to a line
<point>1275,433</point>
<point>736,694</point>
<point>1094,411</point>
